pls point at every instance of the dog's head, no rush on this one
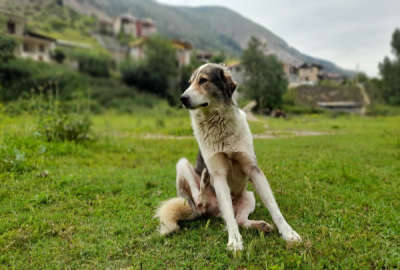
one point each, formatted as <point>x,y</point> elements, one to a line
<point>210,85</point>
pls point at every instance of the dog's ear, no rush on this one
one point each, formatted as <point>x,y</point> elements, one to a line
<point>229,84</point>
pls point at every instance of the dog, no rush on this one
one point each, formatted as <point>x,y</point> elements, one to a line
<point>217,185</point>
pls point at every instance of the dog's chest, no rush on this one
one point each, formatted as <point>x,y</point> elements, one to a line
<point>217,132</point>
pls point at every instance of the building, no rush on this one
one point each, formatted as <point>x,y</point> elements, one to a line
<point>292,73</point>
<point>183,51</point>
<point>32,45</point>
<point>309,73</point>
<point>145,28</point>
<point>130,25</point>
<point>125,24</point>
<point>204,56</point>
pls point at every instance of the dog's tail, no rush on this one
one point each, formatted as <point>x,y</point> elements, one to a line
<point>171,211</point>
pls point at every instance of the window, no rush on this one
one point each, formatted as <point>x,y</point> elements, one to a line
<point>11,27</point>
<point>26,47</point>
<point>42,48</point>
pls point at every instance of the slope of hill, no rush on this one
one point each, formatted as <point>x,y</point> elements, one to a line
<point>52,18</point>
<point>209,28</point>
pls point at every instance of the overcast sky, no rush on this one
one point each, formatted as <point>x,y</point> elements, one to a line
<point>351,33</point>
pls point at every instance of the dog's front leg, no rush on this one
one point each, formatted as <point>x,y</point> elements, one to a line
<point>264,190</point>
<point>219,169</point>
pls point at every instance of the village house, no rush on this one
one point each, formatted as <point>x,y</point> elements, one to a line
<point>292,74</point>
<point>204,56</point>
<point>183,52</point>
<point>32,45</point>
<point>309,73</point>
<point>130,25</point>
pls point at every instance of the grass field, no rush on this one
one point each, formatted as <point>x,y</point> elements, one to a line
<point>90,206</point>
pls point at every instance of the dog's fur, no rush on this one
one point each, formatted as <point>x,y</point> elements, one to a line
<point>226,161</point>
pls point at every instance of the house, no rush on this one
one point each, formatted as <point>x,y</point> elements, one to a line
<point>136,49</point>
<point>125,24</point>
<point>204,56</point>
<point>106,26</point>
<point>145,28</point>
<point>132,26</point>
<point>183,52</point>
<point>309,73</point>
<point>292,74</point>
<point>32,45</point>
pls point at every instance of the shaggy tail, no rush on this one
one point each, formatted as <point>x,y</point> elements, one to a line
<point>171,211</point>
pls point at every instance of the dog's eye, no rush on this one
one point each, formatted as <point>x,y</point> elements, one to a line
<point>202,80</point>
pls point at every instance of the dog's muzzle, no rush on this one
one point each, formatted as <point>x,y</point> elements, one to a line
<point>185,101</point>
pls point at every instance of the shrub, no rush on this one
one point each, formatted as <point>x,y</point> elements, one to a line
<point>382,110</point>
<point>59,55</point>
<point>65,126</point>
<point>96,65</point>
<point>7,47</point>
<point>22,76</point>
<point>156,74</point>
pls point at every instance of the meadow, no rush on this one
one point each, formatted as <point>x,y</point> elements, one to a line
<point>90,205</point>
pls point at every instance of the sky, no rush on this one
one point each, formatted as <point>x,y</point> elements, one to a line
<point>354,34</point>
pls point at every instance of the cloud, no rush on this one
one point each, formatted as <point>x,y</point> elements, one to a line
<point>347,32</point>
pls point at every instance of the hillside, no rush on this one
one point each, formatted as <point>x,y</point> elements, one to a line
<point>50,17</point>
<point>208,28</point>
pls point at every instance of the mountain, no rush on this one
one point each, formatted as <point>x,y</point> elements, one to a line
<point>209,28</point>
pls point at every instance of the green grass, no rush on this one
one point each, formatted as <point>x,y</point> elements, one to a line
<point>90,206</point>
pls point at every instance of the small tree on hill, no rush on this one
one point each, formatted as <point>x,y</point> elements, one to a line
<point>157,73</point>
<point>7,48</point>
<point>390,71</point>
<point>265,79</point>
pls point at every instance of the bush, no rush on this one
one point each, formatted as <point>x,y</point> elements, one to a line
<point>65,126</point>
<point>156,74</point>
<point>382,110</point>
<point>59,55</point>
<point>7,47</point>
<point>96,65</point>
<point>20,77</point>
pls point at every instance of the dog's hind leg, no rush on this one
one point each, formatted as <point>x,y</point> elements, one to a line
<point>183,207</point>
<point>187,182</point>
<point>244,207</point>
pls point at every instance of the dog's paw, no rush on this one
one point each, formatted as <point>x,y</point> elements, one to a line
<point>263,226</point>
<point>291,237</point>
<point>235,245</point>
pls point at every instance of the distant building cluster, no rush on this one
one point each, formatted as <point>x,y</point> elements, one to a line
<point>128,25</point>
<point>32,45</point>
<point>308,74</point>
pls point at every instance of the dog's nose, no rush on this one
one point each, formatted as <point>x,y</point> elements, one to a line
<point>185,101</point>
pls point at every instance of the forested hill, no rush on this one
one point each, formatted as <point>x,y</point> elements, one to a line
<point>209,27</point>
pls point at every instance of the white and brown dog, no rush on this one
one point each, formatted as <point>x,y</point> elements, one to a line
<point>226,161</point>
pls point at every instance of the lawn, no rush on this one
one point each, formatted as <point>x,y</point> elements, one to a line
<point>65,205</point>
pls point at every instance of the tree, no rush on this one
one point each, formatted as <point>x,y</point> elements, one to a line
<point>390,72</point>
<point>7,48</point>
<point>157,73</point>
<point>219,58</point>
<point>265,79</point>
